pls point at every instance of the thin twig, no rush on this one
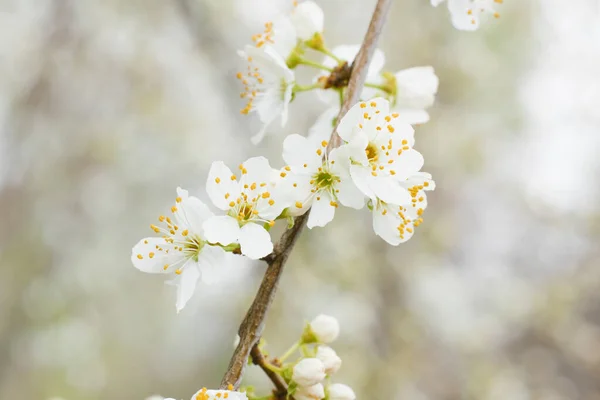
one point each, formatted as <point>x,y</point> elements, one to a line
<point>259,359</point>
<point>253,323</point>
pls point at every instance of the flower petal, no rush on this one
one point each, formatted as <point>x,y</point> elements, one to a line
<point>361,177</point>
<point>258,170</point>
<point>386,227</point>
<point>322,210</point>
<point>186,284</point>
<point>298,150</point>
<point>146,256</point>
<point>408,164</point>
<point>220,186</point>
<point>221,229</point>
<point>211,262</point>
<point>349,195</point>
<point>255,241</point>
<point>192,212</point>
<point>389,190</point>
<point>308,19</point>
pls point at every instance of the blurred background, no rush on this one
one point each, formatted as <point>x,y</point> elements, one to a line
<point>107,106</point>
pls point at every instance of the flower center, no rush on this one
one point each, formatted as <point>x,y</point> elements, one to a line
<point>323,179</point>
<point>372,153</point>
<point>246,212</point>
<point>193,246</point>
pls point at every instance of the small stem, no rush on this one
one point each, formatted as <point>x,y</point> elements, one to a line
<point>328,52</point>
<point>376,86</point>
<point>273,368</point>
<point>314,65</point>
<point>300,88</point>
<point>290,351</point>
<point>341,92</point>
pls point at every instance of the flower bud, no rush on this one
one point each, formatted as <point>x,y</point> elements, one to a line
<point>322,329</point>
<point>330,359</point>
<point>339,391</point>
<point>308,372</point>
<point>314,392</point>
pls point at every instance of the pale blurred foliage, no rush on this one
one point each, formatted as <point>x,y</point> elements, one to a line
<point>107,106</point>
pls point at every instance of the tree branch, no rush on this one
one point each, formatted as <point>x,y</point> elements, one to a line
<point>253,323</point>
<point>259,359</point>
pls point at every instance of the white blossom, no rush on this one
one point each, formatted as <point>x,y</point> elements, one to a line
<point>314,392</point>
<point>325,328</point>
<point>307,17</point>
<point>279,34</point>
<point>251,203</point>
<point>380,148</point>
<point>182,249</point>
<point>466,14</point>
<point>348,53</point>
<point>330,359</point>
<point>339,391</point>
<point>205,394</point>
<point>396,223</point>
<point>268,85</point>
<point>318,181</point>
<point>308,372</point>
<point>414,90</point>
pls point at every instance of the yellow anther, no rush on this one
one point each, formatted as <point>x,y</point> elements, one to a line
<point>165,267</point>
<point>395,115</point>
<point>178,271</point>
<point>271,202</point>
<point>390,128</point>
<point>151,255</point>
<point>227,196</point>
<point>287,168</point>
<point>298,204</point>
<point>140,256</point>
<point>146,242</point>
<point>282,174</point>
<point>392,172</point>
<point>271,223</point>
<point>231,203</point>
<point>265,195</point>
<point>374,173</point>
<point>305,165</point>
<point>319,152</point>
<point>387,118</point>
<point>161,218</point>
<point>253,186</point>
<point>173,209</point>
<point>155,228</point>
<point>324,143</point>
<point>185,233</point>
<point>373,104</point>
<point>218,180</point>
<point>333,204</point>
<point>363,105</point>
<point>366,115</point>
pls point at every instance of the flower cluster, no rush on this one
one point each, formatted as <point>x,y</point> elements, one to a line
<point>466,15</point>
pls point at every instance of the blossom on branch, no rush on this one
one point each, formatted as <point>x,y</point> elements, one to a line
<point>317,180</point>
<point>412,91</point>
<point>182,248</point>
<point>308,372</point>
<point>339,391</point>
<point>205,394</point>
<point>252,204</point>
<point>308,19</point>
<point>380,147</point>
<point>314,392</point>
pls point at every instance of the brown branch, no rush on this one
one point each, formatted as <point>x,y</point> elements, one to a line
<point>253,323</point>
<point>259,359</point>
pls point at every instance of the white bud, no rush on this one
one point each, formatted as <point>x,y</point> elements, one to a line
<point>308,19</point>
<point>339,391</point>
<point>325,328</point>
<point>314,392</point>
<point>330,359</point>
<point>308,372</point>
<point>236,341</point>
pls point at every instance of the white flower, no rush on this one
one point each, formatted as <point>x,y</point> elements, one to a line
<point>330,359</point>
<point>414,91</point>
<point>396,223</point>
<point>308,372</point>
<point>314,392</point>
<point>204,394</point>
<point>348,53</point>
<point>317,183</point>
<point>466,14</point>
<point>380,147</point>
<point>268,85</point>
<point>325,328</point>
<point>307,17</point>
<point>182,248</point>
<point>250,202</point>
<point>339,391</point>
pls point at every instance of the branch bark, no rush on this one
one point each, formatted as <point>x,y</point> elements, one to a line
<point>252,326</point>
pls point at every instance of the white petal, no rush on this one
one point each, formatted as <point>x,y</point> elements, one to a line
<point>284,36</point>
<point>416,87</point>
<point>211,262</point>
<point>308,19</point>
<point>386,227</point>
<point>348,126</point>
<point>221,229</point>
<point>361,176</point>
<point>298,150</point>
<point>155,264</point>
<point>322,212</point>
<point>220,187</point>
<point>377,63</point>
<point>255,241</point>
<point>461,19</point>
<point>408,164</point>
<point>349,195</point>
<point>186,284</point>
<point>258,171</point>
<point>389,190</point>
<point>193,212</point>
<point>355,149</point>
